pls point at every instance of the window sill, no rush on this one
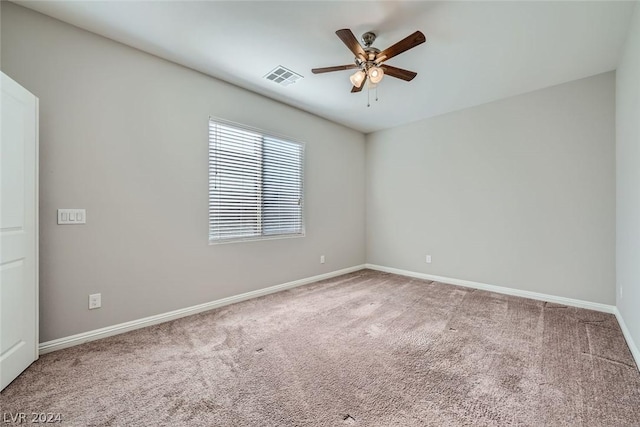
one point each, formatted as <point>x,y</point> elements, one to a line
<point>255,239</point>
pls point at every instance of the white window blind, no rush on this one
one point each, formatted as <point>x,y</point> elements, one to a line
<point>255,184</point>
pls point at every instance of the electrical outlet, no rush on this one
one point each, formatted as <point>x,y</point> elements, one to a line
<point>428,259</point>
<point>95,301</point>
<point>321,259</point>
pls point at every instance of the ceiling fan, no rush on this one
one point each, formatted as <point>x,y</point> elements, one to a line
<point>369,60</point>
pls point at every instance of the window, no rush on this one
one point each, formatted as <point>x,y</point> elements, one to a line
<point>255,184</point>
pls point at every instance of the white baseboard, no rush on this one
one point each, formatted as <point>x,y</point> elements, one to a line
<point>70,341</point>
<point>635,352</point>
<point>499,289</point>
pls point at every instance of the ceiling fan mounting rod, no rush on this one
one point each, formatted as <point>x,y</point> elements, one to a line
<point>368,38</point>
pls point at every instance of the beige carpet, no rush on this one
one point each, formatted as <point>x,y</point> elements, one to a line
<point>367,349</point>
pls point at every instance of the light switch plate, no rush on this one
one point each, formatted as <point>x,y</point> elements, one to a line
<point>72,216</point>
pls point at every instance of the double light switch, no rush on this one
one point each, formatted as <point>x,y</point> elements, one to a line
<point>72,216</point>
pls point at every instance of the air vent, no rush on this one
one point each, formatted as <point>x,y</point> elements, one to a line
<point>283,76</point>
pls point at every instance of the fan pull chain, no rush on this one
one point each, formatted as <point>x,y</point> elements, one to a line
<point>368,95</point>
<point>376,93</point>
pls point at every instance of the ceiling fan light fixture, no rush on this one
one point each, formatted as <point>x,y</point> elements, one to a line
<point>376,74</point>
<point>357,78</point>
<point>368,59</point>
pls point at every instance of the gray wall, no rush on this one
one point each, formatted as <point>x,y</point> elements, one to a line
<point>124,135</point>
<point>628,180</point>
<point>517,193</point>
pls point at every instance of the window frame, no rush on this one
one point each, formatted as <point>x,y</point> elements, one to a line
<point>263,134</point>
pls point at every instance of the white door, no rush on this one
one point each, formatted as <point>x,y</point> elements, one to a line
<point>18,230</point>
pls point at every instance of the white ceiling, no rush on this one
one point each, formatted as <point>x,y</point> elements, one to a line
<point>476,52</point>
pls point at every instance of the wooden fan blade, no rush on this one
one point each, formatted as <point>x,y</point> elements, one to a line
<point>402,46</point>
<point>357,89</point>
<point>398,73</point>
<point>336,68</point>
<point>351,42</point>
